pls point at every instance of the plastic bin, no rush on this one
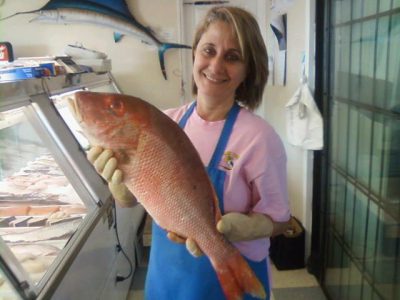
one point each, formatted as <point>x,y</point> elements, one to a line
<point>287,250</point>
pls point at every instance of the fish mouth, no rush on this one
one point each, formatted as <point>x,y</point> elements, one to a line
<point>73,106</point>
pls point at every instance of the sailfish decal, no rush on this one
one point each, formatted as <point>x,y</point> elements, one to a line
<point>113,14</point>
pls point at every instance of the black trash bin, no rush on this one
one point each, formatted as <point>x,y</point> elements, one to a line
<point>287,249</point>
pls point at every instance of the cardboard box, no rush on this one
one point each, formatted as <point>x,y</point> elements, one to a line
<point>27,72</point>
<point>21,73</point>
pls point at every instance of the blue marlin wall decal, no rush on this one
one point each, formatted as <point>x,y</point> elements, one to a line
<point>114,14</point>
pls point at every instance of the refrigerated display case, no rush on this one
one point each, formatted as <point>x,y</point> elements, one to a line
<point>58,222</point>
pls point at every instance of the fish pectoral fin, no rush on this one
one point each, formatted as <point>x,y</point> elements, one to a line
<point>118,36</point>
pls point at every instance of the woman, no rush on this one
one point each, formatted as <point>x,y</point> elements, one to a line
<point>244,156</point>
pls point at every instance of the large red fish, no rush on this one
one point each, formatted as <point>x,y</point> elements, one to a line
<point>164,171</point>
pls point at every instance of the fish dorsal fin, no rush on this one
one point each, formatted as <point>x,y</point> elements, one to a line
<point>116,6</point>
<point>118,36</point>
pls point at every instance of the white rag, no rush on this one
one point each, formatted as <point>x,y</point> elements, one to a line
<point>303,120</point>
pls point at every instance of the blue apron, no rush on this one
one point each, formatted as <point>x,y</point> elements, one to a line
<point>173,272</point>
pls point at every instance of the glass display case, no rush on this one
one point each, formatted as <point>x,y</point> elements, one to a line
<point>53,205</point>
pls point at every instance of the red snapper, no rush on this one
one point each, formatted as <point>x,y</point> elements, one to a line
<point>164,171</point>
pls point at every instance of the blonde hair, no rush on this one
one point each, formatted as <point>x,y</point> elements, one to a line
<point>252,47</point>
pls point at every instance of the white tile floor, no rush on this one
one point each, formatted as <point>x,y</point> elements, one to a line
<point>286,285</point>
<point>295,283</point>
<point>292,278</point>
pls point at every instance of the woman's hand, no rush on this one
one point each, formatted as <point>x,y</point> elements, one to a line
<point>106,165</point>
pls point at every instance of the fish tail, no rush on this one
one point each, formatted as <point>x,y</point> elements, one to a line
<point>161,51</point>
<point>236,278</point>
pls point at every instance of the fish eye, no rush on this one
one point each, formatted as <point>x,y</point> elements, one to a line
<point>116,107</point>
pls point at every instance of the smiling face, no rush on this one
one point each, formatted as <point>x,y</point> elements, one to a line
<point>218,67</point>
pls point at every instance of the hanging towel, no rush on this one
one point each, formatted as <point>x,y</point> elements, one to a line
<point>304,124</point>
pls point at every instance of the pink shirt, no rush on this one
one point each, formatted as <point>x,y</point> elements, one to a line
<point>255,165</point>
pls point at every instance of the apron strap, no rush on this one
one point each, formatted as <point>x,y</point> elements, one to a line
<point>225,134</point>
<point>224,138</point>
<point>185,117</point>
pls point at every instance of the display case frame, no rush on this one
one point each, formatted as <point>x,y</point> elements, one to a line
<point>35,97</point>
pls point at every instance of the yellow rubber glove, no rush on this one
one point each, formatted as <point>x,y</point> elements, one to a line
<point>106,165</point>
<point>191,245</point>
<point>235,227</point>
<point>240,227</point>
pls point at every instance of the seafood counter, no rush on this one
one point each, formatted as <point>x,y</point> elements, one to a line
<point>58,222</point>
<point>39,212</point>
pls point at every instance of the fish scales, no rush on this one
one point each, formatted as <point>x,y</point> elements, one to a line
<point>152,187</point>
<point>164,171</point>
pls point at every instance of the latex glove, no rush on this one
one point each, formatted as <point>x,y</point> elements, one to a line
<point>240,227</point>
<point>106,165</point>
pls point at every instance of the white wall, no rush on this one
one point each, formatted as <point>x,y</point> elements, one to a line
<point>135,65</point>
<point>136,68</point>
<point>275,97</point>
